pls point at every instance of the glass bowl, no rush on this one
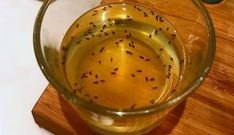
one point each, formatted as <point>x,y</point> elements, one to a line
<point>188,20</point>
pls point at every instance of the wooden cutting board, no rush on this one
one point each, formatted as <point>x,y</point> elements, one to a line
<point>210,110</point>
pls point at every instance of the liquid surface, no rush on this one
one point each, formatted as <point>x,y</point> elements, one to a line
<point>122,56</point>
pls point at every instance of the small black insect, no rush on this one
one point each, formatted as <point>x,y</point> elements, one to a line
<point>74,91</point>
<point>130,35</point>
<point>182,61</point>
<point>161,19</point>
<point>121,40</point>
<point>84,76</point>
<point>95,14</point>
<point>174,90</point>
<point>139,9</point>
<point>80,89</point>
<point>141,57</point>
<point>133,106</point>
<point>64,48</point>
<point>102,81</point>
<point>96,82</point>
<point>104,26</point>
<point>113,73</point>
<point>171,58</point>
<point>146,79</point>
<point>173,35</point>
<point>168,76</point>
<point>116,69</point>
<point>156,32</point>
<point>104,8</point>
<point>90,73</point>
<point>157,17</point>
<point>139,71</point>
<point>152,101</point>
<point>129,19</point>
<point>147,59</point>
<point>106,34</point>
<point>169,66</point>
<point>129,52</point>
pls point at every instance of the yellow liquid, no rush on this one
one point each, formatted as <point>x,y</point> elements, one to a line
<point>120,60</point>
<point>122,56</point>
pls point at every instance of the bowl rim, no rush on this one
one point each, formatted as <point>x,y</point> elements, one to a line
<point>79,102</point>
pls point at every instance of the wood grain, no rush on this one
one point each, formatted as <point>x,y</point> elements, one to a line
<point>210,110</point>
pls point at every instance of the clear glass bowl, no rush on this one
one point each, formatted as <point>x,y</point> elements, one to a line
<point>190,19</point>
